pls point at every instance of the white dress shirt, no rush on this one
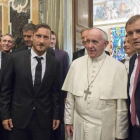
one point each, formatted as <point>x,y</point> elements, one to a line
<point>34,63</point>
<point>132,86</point>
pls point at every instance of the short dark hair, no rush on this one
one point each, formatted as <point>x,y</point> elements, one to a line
<point>53,33</point>
<point>42,25</point>
<point>132,20</point>
<point>28,26</point>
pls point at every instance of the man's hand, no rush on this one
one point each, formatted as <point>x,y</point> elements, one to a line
<point>69,130</point>
<point>56,124</point>
<point>7,124</point>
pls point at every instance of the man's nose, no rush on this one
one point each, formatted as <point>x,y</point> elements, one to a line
<point>26,38</point>
<point>6,42</point>
<point>41,40</point>
<point>90,44</point>
<point>135,35</point>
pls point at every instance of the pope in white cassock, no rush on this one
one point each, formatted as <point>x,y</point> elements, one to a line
<point>96,106</point>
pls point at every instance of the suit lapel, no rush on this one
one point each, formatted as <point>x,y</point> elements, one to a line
<point>27,60</point>
<point>132,64</point>
<point>3,62</point>
<point>138,81</point>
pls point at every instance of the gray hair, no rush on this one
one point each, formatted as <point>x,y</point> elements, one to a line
<point>10,36</point>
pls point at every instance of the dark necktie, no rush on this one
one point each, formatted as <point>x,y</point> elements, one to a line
<point>38,74</point>
<point>133,107</point>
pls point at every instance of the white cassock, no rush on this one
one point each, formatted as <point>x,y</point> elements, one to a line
<point>103,116</point>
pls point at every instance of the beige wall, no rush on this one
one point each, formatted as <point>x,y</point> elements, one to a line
<point>54,18</point>
<point>34,14</point>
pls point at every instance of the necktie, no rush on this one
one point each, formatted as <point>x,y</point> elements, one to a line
<point>38,74</point>
<point>133,107</point>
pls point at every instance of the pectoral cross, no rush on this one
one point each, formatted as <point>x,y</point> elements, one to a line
<point>87,92</point>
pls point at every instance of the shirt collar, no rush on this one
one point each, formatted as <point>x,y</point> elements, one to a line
<point>33,54</point>
<point>54,48</point>
<point>101,57</point>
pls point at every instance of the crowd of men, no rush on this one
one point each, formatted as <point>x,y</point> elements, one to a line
<point>99,95</point>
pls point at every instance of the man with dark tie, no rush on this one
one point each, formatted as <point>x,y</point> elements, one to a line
<point>3,63</point>
<point>30,98</point>
<point>63,58</point>
<point>133,32</point>
<point>27,32</point>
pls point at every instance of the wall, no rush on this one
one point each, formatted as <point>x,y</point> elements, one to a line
<point>54,17</point>
<point>29,6</point>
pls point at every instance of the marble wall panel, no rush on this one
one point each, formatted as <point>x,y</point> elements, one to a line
<point>19,16</point>
<point>25,9</point>
<point>51,12</point>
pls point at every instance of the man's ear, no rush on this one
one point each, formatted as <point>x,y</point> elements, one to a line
<point>105,44</point>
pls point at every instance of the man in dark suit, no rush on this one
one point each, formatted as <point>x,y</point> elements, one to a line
<point>30,98</point>
<point>28,31</point>
<point>3,63</point>
<point>63,58</point>
<point>133,32</point>
<point>7,43</point>
<point>83,52</point>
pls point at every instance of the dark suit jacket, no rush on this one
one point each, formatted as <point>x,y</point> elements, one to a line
<point>63,58</point>
<point>18,97</point>
<point>4,58</point>
<point>49,50</point>
<point>78,54</point>
<point>81,53</point>
<point>137,91</point>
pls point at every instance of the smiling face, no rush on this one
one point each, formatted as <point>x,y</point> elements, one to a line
<point>129,50</point>
<point>133,33</point>
<point>41,40</point>
<point>95,43</point>
<point>28,38</point>
<point>7,43</point>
